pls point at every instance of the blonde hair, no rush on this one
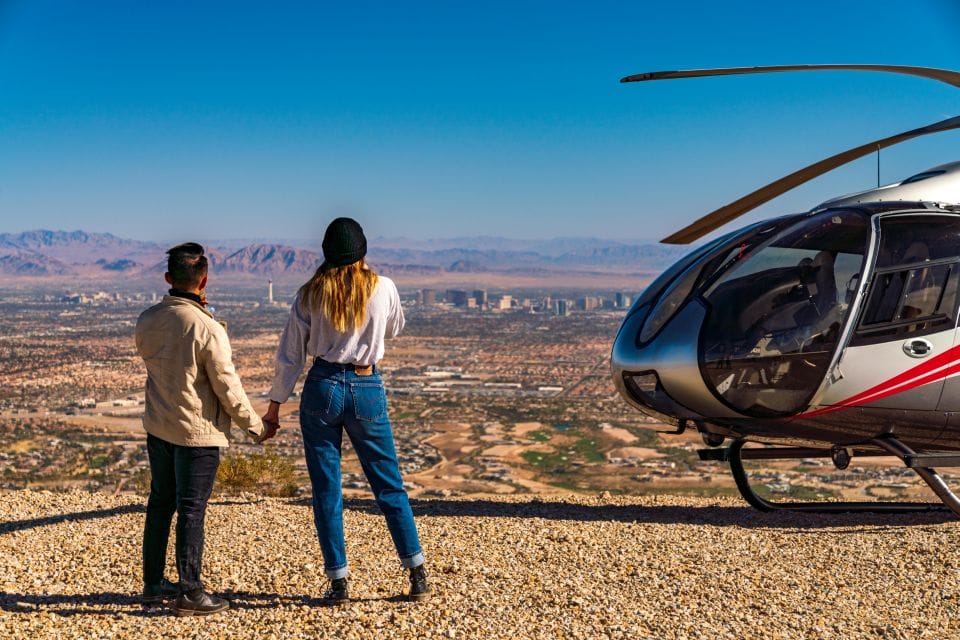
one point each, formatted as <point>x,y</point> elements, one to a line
<point>340,293</point>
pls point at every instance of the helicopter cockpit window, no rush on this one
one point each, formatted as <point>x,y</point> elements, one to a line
<point>775,314</point>
<point>914,286</point>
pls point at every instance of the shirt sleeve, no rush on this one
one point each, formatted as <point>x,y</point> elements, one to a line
<point>395,319</point>
<point>291,353</point>
<point>218,363</point>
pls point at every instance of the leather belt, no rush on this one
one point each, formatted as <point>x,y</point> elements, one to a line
<point>359,369</point>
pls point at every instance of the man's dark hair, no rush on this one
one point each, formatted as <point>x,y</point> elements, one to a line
<point>186,264</point>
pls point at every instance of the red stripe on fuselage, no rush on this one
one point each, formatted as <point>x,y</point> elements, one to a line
<point>936,368</point>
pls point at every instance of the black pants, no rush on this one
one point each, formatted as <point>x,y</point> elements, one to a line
<point>182,479</point>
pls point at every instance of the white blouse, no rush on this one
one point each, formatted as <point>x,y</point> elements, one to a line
<point>309,333</point>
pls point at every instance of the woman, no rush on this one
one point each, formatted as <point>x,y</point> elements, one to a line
<point>340,319</point>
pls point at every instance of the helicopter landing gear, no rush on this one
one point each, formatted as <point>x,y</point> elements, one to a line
<point>922,463</point>
<point>712,439</point>
<point>841,457</point>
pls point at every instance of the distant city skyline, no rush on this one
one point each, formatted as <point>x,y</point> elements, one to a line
<point>382,242</point>
<point>436,120</point>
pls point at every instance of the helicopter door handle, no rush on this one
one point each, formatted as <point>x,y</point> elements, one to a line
<point>918,348</point>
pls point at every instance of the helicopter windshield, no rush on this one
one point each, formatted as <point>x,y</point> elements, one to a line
<point>775,313</point>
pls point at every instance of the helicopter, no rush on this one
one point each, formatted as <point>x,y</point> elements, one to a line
<point>830,333</point>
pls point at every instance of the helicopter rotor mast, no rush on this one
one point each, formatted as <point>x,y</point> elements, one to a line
<point>727,213</point>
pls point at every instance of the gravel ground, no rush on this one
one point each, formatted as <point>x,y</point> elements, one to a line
<point>575,567</point>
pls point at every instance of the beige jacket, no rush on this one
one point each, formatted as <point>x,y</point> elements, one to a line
<point>193,391</point>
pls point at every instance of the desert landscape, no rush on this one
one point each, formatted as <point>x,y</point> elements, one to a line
<point>493,389</point>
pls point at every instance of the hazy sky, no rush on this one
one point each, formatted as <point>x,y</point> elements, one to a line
<point>266,119</point>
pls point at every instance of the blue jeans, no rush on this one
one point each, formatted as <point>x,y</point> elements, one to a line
<point>336,399</point>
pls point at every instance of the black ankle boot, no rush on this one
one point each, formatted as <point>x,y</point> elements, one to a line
<point>419,587</point>
<point>157,594</point>
<point>337,593</point>
<point>199,603</point>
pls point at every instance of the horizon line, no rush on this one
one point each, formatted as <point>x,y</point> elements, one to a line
<point>277,239</point>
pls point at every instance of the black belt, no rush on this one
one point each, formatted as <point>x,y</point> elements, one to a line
<point>359,369</point>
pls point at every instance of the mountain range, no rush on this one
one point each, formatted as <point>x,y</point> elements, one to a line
<point>45,253</point>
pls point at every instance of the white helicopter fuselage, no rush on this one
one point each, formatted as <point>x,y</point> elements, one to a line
<point>834,326</point>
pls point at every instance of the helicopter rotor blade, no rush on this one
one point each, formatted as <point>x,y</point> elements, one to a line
<point>725,214</point>
<point>943,75</point>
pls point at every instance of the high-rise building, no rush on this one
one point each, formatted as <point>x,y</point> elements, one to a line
<point>457,297</point>
<point>505,302</point>
<point>622,300</point>
<point>588,303</point>
<point>429,296</point>
<point>480,295</point>
<point>270,291</point>
<point>560,307</point>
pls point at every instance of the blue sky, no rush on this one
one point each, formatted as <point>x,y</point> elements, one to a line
<point>265,120</point>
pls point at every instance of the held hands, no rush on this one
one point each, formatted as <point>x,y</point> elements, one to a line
<point>269,430</point>
<point>271,422</point>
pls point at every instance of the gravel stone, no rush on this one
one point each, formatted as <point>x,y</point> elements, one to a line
<point>502,567</point>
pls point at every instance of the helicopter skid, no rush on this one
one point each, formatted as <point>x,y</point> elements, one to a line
<point>735,454</point>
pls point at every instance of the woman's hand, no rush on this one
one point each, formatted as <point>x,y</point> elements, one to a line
<point>273,412</point>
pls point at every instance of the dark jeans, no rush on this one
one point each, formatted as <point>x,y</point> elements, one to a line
<point>334,400</point>
<point>181,482</point>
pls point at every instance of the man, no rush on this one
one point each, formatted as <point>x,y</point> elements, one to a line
<point>193,393</point>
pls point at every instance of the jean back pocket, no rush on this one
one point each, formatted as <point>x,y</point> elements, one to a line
<point>369,401</point>
<point>320,399</point>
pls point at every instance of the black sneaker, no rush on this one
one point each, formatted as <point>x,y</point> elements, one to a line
<point>337,593</point>
<point>419,587</point>
<point>155,595</point>
<point>202,604</point>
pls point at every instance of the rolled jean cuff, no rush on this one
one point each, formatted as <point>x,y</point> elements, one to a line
<point>415,560</point>
<point>336,574</point>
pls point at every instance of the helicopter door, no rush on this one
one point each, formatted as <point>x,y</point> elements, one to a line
<point>775,313</point>
<point>901,348</point>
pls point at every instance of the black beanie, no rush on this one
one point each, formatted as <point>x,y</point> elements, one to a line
<point>344,242</point>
